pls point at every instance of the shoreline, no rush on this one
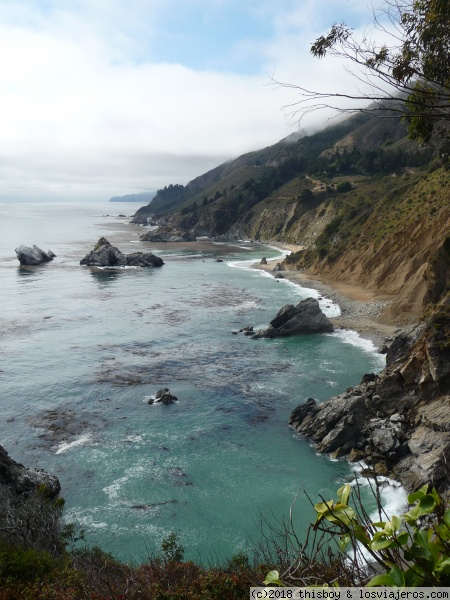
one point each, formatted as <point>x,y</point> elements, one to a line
<point>360,308</point>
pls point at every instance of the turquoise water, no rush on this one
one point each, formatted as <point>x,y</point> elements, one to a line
<point>81,351</point>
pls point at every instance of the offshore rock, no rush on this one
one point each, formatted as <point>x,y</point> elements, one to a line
<point>163,396</point>
<point>105,255</point>
<point>23,480</point>
<point>167,234</point>
<point>398,419</point>
<point>304,318</point>
<point>28,255</point>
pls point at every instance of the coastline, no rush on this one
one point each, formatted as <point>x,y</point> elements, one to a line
<point>360,308</point>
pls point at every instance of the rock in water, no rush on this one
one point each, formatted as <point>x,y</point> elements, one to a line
<point>28,255</point>
<point>105,255</point>
<point>23,480</point>
<point>304,318</point>
<point>163,396</point>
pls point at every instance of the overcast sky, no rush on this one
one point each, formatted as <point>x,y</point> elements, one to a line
<point>108,97</point>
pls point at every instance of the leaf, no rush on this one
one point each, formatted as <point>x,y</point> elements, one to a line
<point>344,541</point>
<point>413,514</point>
<point>403,538</point>
<point>344,493</point>
<point>412,579</point>
<point>381,543</point>
<point>361,535</point>
<point>322,507</point>
<point>443,567</point>
<point>418,495</point>
<point>341,513</point>
<point>272,578</point>
<point>412,498</point>
<point>397,575</point>
<point>447,517</point>
<point>397,521</point>
<point>427,504</point>
<point>381,580</point>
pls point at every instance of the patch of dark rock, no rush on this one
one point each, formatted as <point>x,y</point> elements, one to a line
<point>305,318</point>
<point>62,426</point>
<point>396,421</point>
<point>32,255</point>
<point>153,505</point>
<point>163,396</point>
<point>166,233</point>
<point>23,480</point>
<point>258,419</point>
<point>106,255</point>
<point>279,267</point>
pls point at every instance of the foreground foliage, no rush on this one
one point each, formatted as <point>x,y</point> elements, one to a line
<point>409,550</point>
<point>38,559</point>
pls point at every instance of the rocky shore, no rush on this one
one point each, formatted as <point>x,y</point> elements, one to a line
<point>396,422</point>
<point>22,480</point>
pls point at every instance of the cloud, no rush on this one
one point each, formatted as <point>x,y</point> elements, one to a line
<point>88,107</point>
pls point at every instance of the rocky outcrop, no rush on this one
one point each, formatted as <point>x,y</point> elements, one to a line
<point>397,421</point>
<point>163,396</point>
<point>22,480</point>
<point>167,234</point>
<point>28,255</point>
<point>105,255</point>
<point>304,318</point>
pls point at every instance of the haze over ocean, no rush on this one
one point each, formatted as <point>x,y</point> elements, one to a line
<point>81,350</point>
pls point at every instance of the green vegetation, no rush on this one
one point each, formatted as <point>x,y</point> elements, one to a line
<point>411,550</point>
<point>413,61</point>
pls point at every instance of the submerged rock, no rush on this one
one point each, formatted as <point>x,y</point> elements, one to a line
<point>306,317</point>
<point>28,255</point>
<point>23,480</point>
<point>106,255</point>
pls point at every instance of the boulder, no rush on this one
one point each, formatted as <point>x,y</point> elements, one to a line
<point>105,255</point>
<point>304,318</point>
<point>28,255</point>
<point>22,480</point>
<point>167,234</point>
<point>263,261</point>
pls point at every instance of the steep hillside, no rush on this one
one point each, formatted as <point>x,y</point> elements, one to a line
<point>369,207</point>
<point>391,236</point>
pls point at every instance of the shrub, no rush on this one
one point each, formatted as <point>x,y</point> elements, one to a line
<point>412,549</point>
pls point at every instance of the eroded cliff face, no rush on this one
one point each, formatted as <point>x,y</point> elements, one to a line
<point>397,421</point>
<point>22,480</point>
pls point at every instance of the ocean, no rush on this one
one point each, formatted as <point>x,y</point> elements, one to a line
<point>82,350</point>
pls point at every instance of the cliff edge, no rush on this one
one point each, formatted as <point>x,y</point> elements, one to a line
<point>396,421</point>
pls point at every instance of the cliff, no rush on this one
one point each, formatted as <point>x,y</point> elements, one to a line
<point>21,479</point>
<point>396,421</point>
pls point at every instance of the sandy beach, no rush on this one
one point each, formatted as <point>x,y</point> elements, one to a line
<point>361,309</point>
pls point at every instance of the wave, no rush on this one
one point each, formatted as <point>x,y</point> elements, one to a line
<point>349,336</point>
<point>64,446</point>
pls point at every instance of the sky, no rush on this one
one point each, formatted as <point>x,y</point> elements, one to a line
<point>100,98</point>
